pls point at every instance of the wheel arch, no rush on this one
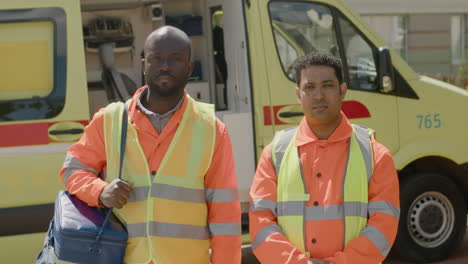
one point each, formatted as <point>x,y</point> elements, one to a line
<point>458,173</point>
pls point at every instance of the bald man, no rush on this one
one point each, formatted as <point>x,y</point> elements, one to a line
<point>178,193</point>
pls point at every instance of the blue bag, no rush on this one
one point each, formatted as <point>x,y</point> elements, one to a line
<point>79,233</point>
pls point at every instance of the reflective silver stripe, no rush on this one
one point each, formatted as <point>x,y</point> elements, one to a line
<point>384,207</point>
<point>104,174</point>
<point>263,205</point>
<point>355,209</point>
<point>176,193</point>
<point>136,230</point>
<point>272,151</point>
<point>138,194</point>
<point>179,231</point>
<point>378,239</point>
<point>263,234</point>
<point>290,208</point>
<point>225,229</point>
<point>168,230</point>
<point>72,164</point>
<point>222,195</point>
<point>328,212</point>
<point>281,146</point>
<point>363,139</point>
<point>279,159</point>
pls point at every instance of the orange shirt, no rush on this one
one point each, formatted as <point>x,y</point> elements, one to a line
<point>323,164</point>
<point>86,158</point>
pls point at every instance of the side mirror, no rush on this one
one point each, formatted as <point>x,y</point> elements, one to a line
<point>386,84</point>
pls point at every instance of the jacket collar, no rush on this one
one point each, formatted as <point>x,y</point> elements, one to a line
<point>141,121</point>
<point>305,135</point>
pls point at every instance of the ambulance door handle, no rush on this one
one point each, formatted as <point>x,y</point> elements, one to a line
<point>291,114</point>
<point>73,131</point>
<point>67,131</point>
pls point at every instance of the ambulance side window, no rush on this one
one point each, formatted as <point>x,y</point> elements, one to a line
<point>300,28</point>
<point>360,57</point>
<point>33,63</point>
<point>286,52</point>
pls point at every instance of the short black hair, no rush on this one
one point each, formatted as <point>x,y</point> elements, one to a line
<point>316,58</point>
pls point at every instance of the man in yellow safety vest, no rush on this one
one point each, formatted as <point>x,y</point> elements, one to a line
<point>326,191</point>
<point>178,194</point>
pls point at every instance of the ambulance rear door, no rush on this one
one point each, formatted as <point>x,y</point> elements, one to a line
<point>43,110</point>
<point>234,105</point>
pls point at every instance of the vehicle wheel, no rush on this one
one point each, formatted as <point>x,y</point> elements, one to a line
<point>433,218</point>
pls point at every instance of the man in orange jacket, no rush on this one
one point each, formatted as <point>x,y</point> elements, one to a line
<point>156,112</point>
<point>322,155</point>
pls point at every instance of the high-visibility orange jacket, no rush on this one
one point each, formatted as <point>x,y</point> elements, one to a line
<point>86,159</point>
<point>323,163</point>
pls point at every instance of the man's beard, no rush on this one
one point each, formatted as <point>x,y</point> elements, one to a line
<point>166,91</point>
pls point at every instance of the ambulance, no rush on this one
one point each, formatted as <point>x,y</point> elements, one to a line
<point>63,60</point>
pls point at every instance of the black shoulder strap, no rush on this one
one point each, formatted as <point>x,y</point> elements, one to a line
<point>123,141</point>
<point>123,138</point>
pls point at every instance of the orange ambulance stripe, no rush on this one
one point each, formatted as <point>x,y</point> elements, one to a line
<point>30,134</point>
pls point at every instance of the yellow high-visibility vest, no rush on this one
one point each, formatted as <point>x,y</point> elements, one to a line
<point>166,216</point>
<point>292,196</point>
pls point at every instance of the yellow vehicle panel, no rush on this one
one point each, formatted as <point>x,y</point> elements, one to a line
<point>44,107</point>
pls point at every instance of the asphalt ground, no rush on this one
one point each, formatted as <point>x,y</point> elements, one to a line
<point>460,256</point>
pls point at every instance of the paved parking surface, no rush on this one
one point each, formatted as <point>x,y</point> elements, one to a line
<point>459,257</point>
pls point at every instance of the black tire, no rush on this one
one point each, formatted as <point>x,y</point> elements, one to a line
<point>426,201</point>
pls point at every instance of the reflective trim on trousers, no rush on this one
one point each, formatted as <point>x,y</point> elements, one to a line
<point>168,230</point>
<point>384,207</point>
<point>72,164</point>
<point>263,205</point>
<point>225,229</point>
<point>263,234</point>
<point>222,195</point>
<point>378,239</point>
